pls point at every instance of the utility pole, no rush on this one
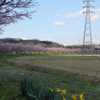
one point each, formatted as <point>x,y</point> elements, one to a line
<point>87,38</point>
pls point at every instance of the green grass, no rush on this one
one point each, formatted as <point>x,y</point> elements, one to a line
<point>11,75</point>
<point>82,68</point>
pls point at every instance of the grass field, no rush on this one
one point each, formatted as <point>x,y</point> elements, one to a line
<point>82,65</point>
<point>73,73</point>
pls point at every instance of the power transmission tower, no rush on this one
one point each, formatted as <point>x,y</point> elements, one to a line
<point>87,38</point>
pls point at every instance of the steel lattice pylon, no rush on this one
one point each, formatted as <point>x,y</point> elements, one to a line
<point>87,38</point>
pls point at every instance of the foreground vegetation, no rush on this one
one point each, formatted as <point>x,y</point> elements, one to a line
<point>11,75</point>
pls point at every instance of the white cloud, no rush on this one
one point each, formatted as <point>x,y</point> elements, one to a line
<point>67,44</point>
<point>59,23</point>
<point>24,38</point>
<point>19,38</point>
<point>96,41</point>
<point>63,23</point>
<point>74,15</point>
<point>95,16</point>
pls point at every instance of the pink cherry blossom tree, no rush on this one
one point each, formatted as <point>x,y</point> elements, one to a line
<point>39,48</point>
<point>18,48</point>
<point>7,47</point>
<point>12,10</point>
<point>29,48</point>
<point>4,47</point>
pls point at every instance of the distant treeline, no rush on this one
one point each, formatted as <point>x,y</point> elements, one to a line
<point>20,48</point>
<point>32,42</point>
<point>45,44</point>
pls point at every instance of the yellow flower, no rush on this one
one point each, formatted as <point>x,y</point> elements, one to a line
<point>58,90</point>
<point>81,96</point>
<point>51,90</point>
<point>64,99</point>
<point>74,97</point>
<point>63,91</point>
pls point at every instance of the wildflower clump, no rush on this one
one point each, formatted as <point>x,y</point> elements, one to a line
<point>77,97</point>
<point>63,92</point>
<point>81,96</point>
<point>36,92</point>
<point>51,90</point>
<point>58,90</point>
<point>64,98</point>
<point>74,97</point>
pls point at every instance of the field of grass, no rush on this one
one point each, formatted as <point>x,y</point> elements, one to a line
<point>84,66</point>
<point>64,72</point>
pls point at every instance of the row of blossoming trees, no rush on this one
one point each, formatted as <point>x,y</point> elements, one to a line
<point>7,47</point>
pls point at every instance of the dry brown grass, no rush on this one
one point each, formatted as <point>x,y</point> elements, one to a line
<point>82,65</point>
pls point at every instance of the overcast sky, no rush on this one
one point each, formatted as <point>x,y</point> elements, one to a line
<point>61,21</point>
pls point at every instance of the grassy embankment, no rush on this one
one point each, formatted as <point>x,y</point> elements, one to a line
<point>50,71</point>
